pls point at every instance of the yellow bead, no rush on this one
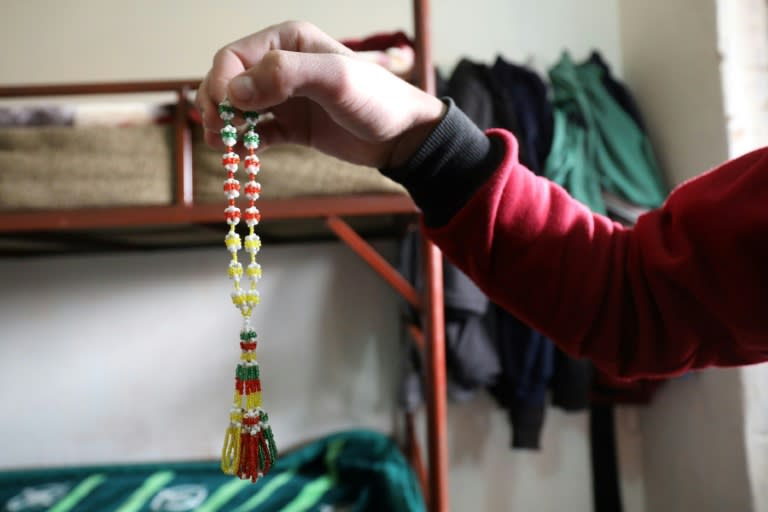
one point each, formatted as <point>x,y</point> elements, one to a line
<point>248,356</point>
<point>252,243</point>
<point>253,400</point>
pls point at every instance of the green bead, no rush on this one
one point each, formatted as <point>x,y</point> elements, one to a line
<point>226,107</point>
<point>251,117</point>
<point>261,458</point>
<point>248,335</point>
<point>247,372</point>
<point>271,444</point>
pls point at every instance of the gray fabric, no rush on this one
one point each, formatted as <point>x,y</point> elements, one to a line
<point>471,356</point>
<point>71,167</point>
<point>52,115</point>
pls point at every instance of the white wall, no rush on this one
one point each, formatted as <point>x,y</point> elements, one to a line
<point>695,456</point>
<point>131,357</point>
<point>103,329</point>
<point>669,50</point>
<point>743,44</point>
<point>145,39</point>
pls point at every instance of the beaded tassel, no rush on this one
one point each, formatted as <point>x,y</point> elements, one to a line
<point>249,448</point>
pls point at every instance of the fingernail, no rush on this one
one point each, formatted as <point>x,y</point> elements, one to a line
<point>241,88</point>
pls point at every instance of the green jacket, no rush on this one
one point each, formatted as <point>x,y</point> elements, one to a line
<point>597,145</point>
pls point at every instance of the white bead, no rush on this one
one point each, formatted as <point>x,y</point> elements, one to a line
<point>253,184</point>
<point>237,267</point>
<point>232,241</point>
<point>251,210</point>
<point>252,163</point>
<point>229,139</point>
<point>231,189</point>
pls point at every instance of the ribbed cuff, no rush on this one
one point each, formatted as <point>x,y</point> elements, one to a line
<point>454,161</point>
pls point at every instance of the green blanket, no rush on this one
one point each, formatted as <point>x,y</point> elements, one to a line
<point>350,471</point>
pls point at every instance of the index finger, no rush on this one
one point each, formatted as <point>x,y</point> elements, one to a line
<point>244,53</point>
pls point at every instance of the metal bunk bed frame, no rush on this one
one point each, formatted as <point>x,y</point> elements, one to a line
<point>183,211</point>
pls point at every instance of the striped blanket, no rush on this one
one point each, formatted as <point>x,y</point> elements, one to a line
<point>350,471</point>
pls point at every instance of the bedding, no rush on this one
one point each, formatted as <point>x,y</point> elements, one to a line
<point>123,156</point>
<point>358,470</point>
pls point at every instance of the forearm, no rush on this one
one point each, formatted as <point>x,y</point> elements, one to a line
<point>648,301</point>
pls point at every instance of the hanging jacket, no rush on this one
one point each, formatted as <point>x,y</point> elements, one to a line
<point>522,376</point>
<point>471,359</point>
<point>528,93</point>
<point>604,99</point>
<point>597,145</point>
<point>618,91</point>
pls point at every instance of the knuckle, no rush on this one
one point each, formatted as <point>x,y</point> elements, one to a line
<point>221,54</point>
<point>298,26</point>
<point>343,77</point>
<point>275,65</point>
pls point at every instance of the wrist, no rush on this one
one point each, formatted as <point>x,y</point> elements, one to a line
<point>449,166</point>
<point>425,121</point>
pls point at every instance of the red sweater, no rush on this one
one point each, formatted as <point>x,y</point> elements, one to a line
<point>686,288</point>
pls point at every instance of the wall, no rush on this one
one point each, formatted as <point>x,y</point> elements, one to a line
<point>103,331</point>
<point>131,355</point>
<point>743,44</point>
<point>176,39</point>
<point>669,50</point>
<point>694,443</point>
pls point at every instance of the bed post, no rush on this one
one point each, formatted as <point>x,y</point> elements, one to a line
<point>183,191</point>
<point>432,312</point>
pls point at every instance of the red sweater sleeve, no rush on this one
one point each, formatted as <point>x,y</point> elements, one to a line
<point>687,287</point>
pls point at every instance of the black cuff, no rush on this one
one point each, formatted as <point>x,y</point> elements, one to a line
<point>454,161</point>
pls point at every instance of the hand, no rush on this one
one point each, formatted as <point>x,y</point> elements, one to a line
<point>321,96</point>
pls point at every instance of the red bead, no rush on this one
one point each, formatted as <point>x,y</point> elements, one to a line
<point>230,160</point>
